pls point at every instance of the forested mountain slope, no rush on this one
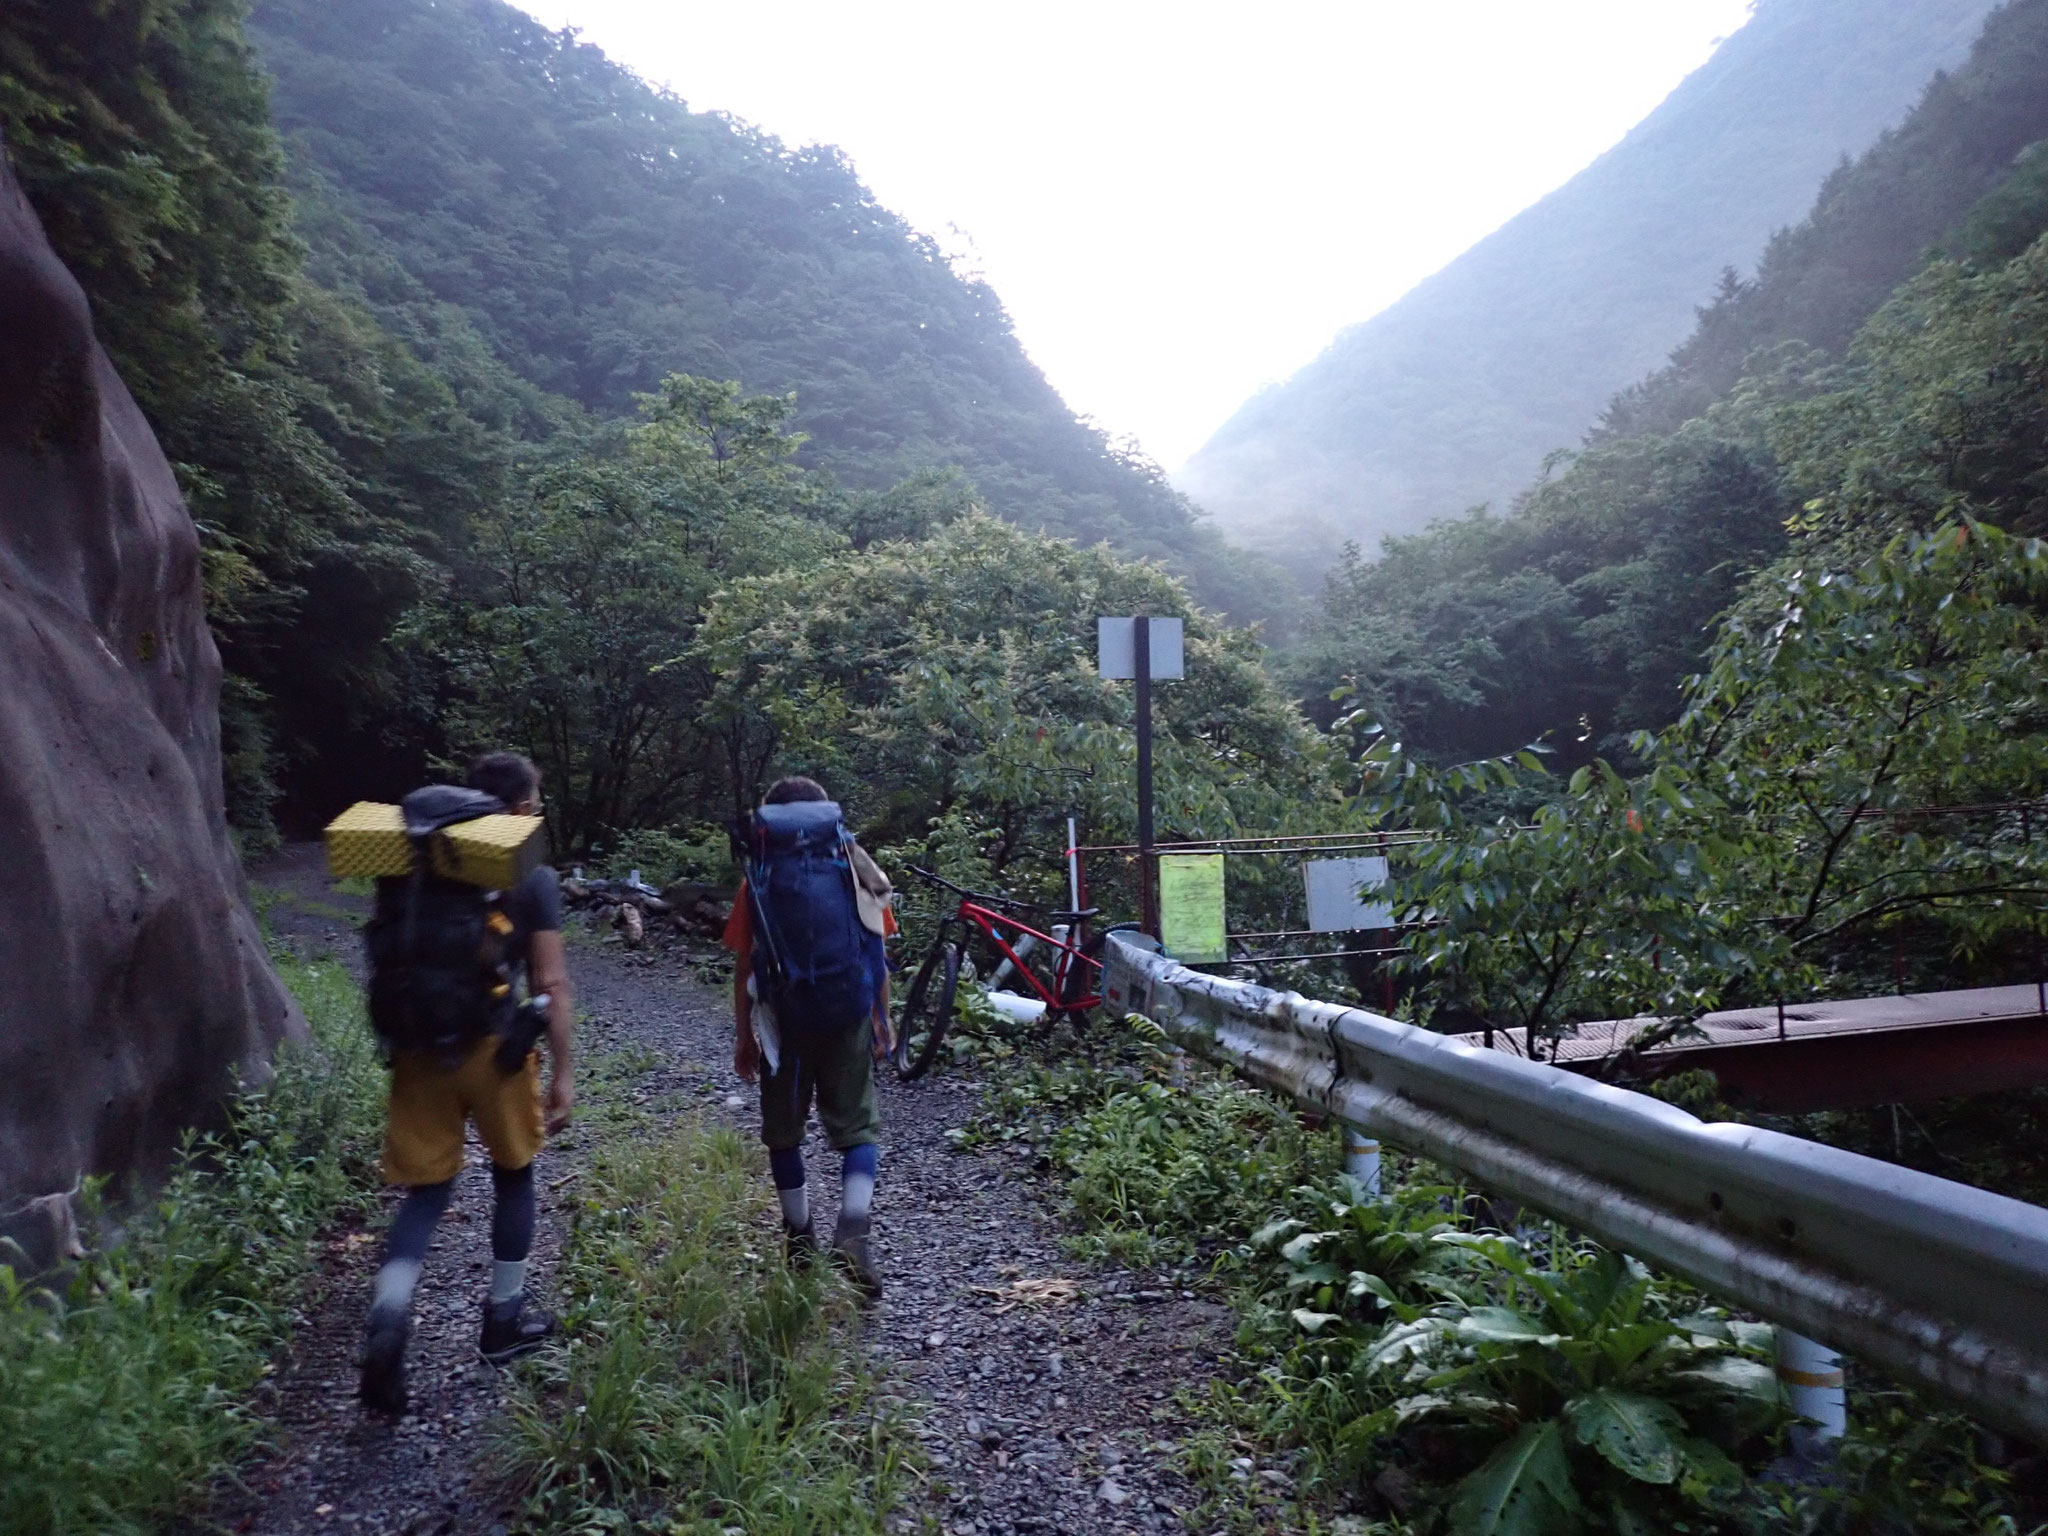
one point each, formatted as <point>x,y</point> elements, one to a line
<point>1882,346</point>
<point>598,234</point>
<point>394,314</point>
<point>1977,131</point>
<point>1453,395</point>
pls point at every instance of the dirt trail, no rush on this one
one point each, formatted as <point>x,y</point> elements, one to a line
<point>1048,1417</point>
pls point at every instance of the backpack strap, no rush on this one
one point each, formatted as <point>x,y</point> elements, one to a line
<point>753,838</point>
<point>415,883</point>
<point>767,951</point>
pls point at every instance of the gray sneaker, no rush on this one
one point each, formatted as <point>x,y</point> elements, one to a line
<point>383,1384</point>
<point>850,1248</point>
<point>513,1329</point>
<point>800,1245</point>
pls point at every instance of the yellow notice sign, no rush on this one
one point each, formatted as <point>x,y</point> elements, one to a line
<point>1191,906</point>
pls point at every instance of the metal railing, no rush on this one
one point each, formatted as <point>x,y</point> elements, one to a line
<point>1935,1282</point>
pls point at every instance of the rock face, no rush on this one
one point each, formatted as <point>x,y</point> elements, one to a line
<point>133,982</point>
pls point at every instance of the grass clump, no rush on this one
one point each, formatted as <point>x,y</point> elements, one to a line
<point>705,1384</point>
<point>129,1379</point>
<point>1159,1172</point>
<point>1164,1159</point>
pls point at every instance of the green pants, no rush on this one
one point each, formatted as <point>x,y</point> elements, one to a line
<point>837,1071</point>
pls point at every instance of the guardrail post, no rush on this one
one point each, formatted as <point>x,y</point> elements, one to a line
<point>1810,1375</point>
<point>1362,1159</point>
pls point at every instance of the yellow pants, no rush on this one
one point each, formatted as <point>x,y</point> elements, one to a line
<point>429,1103</point>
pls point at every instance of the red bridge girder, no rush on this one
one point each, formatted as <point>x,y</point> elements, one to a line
<point>1833,1055</point>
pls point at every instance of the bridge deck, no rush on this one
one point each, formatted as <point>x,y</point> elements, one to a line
<point>1834,1055</point>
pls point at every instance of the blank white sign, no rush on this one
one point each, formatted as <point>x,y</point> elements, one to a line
<point>1335,902</point>
<point>1116,652</point>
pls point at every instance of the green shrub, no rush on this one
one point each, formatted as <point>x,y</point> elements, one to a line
<point>1162,1172</point>
<point>1907,1467</point>
<point>1494,1385</point>
<point>666,857</point>
<point>1564,1389</point>
<point>704,1385</point>
<point>1165,1158</point>
<point>1363,1258</point>
<point>1031,1098</point>
<point>128,1380</point>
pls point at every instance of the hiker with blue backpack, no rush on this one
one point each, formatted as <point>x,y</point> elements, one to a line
<point>811,1002</point>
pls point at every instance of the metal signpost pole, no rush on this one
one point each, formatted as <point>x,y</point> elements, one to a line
<point>1146,651</point>
<point>1141,659</point>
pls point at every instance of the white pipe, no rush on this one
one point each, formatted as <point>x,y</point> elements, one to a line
<point>1362,1159</point>
<point>1074,872</point>
<point>1025,1010</point>
<point>1023,947</point>
<point>1810,1375</point>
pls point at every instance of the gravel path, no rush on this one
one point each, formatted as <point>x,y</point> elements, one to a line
<point>1045,1406</point>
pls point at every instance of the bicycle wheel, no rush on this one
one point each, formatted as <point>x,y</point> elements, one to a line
<point>927,1011</point>
<point>1077,980</point>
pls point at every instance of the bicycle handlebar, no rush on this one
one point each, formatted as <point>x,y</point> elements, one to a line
<point>986,900</point>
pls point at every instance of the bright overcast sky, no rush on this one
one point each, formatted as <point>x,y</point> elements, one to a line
<point>1179,202</point>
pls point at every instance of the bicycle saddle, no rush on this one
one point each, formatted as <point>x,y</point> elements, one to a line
<point>1075,917</point>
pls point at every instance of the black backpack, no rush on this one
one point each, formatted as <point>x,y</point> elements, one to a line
<point>810,950</point>
<point>440,950</point>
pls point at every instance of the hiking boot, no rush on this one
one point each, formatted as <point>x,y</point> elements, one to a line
<point>383,1387</point>
<point>512,1329</point>
<point>850,1248</point>
<point>800,1245</point>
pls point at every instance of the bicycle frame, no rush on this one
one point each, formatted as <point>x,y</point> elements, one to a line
<point>985,919</point>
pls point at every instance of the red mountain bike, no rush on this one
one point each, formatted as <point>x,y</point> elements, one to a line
<point>1071,986</point>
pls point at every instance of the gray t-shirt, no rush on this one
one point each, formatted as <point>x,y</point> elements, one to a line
<point>535,906</point>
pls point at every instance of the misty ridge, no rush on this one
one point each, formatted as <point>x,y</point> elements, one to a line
<point>1577,612</point>
<point>1454,394</point>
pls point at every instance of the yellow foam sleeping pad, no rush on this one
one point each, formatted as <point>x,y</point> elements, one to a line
<point>495,852</point>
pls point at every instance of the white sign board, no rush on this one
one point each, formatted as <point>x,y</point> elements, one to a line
<point>1115,652</point>
<point>1336,901</point>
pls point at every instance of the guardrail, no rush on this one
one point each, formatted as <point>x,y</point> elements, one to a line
<point>1936,1282</point>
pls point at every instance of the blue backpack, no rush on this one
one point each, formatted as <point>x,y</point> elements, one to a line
<point>810,950</point>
